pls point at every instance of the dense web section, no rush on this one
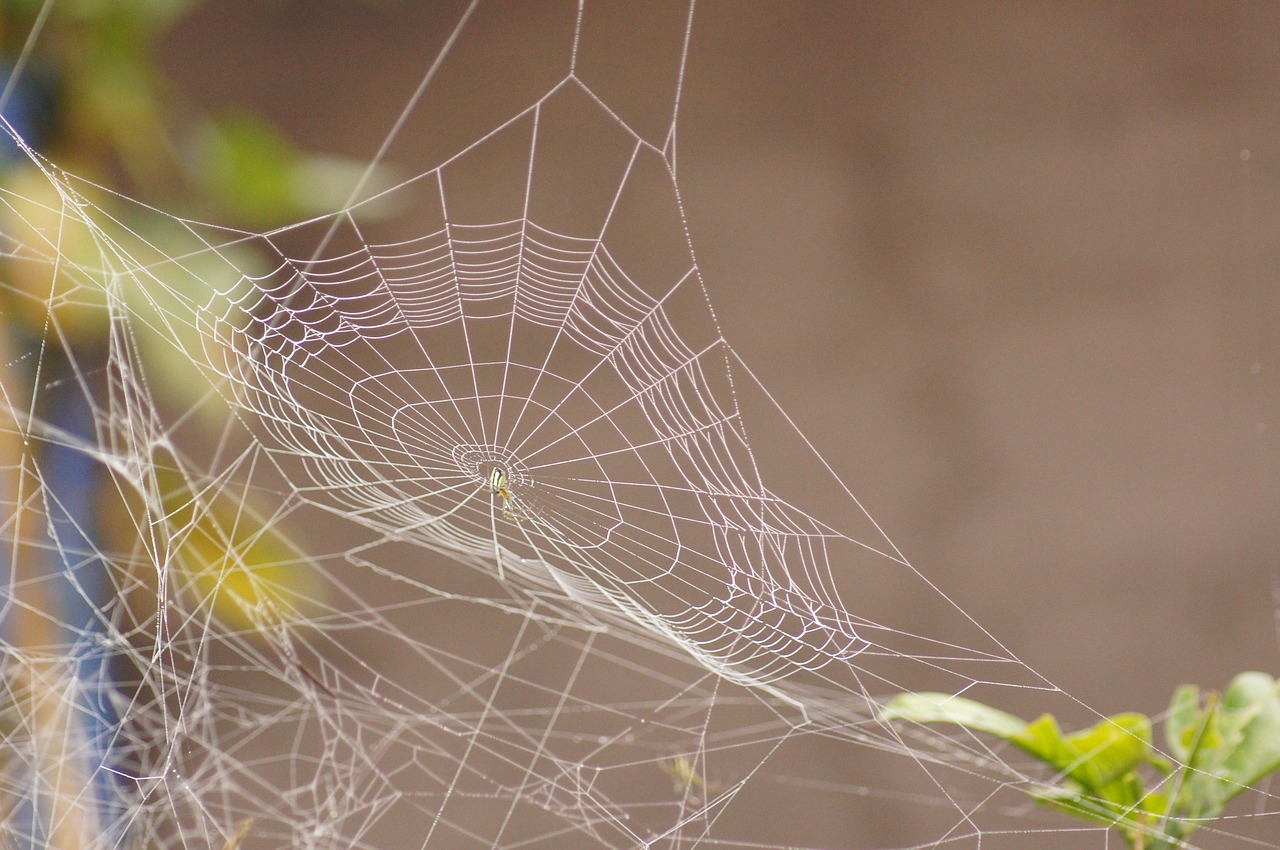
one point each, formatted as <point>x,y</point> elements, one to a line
<point>537,591</point>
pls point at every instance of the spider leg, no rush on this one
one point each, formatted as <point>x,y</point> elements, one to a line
<point>497,547</point>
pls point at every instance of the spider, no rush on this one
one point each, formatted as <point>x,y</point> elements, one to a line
<point>500,486</point>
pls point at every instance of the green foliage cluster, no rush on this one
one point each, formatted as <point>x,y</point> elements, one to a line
<point>120,123</point>
<point>1216,746</point>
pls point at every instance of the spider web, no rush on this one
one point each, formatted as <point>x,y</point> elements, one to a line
<point>549,598</point>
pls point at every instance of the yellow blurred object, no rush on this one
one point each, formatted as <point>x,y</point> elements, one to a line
<point>687,779</point>
<point>57,275</point>
<point>236,838</point>
<point>219,550</point>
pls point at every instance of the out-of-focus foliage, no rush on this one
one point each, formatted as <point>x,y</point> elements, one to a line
<point>226,557</point>
<point>85,97</point>
<point>95,103</point>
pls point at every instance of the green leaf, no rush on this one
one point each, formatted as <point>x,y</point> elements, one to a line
<point>1112,748</point>
<point>1251,711</point>
<point>946,708</point>
<point>321,184</point>
<point>246,166</point>
<point>1182,721</point>
<point>1043,739</point>
<point>1227,746</point>
<point>1075,801</point>
<point>146,15</point>
<point>1094,758</point>
<point>254,173</point>
<point>1099,764</point>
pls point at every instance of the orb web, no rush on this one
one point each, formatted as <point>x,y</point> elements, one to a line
<point>628,480</point>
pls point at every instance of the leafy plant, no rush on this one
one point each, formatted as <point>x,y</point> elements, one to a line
<point>1111,773</point>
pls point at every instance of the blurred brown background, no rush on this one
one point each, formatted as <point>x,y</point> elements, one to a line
<point>1011,267</point>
